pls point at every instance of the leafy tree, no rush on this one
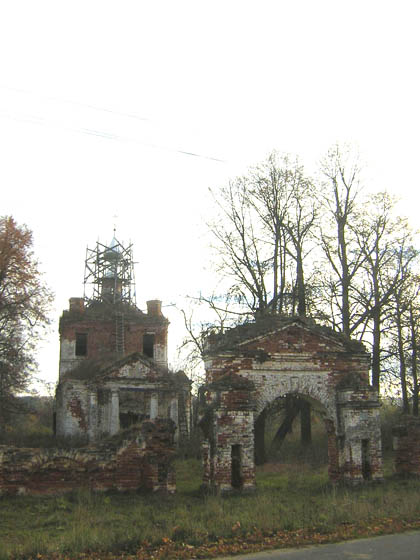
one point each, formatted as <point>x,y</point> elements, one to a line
<point>24,303</point>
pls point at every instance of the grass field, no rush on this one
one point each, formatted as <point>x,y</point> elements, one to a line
<point>290,499</point>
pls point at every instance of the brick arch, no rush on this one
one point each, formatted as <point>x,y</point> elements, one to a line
<point>310,386</point>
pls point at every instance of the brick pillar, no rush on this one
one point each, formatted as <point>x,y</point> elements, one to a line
<point>173,414</point>
<point>360,450</point>
<point>115,413</point>
<point>93,416</point>
<point>228,423</point>
<point>154,406</point>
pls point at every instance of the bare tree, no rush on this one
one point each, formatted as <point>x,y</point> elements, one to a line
<point>264,235</point>
<point>403,339</point>
<point>217,320</point>
<point>385,243</point>
<point>341,190</point>
<point>284,198</point>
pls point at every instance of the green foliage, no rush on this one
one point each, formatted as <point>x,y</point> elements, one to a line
<point>24,306</point>
<point>32,425</point>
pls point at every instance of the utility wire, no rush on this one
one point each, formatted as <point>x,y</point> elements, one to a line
<point>110,136</point>
<point>42,121</point>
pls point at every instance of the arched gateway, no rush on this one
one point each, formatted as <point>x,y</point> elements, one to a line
<point>251,365</point>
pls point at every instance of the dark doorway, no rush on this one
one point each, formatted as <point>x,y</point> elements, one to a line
<point>366,468</point>
<point>236,480</point>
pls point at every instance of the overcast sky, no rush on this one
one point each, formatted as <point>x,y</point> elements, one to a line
<point>126,112</point>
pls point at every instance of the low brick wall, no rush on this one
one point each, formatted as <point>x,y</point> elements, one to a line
<point>137,459</point>
<point>407,446</point>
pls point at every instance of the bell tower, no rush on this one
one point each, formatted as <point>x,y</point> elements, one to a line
<point>109,274</point>
<point>106,323</point>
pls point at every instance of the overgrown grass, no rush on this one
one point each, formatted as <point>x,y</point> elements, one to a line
<point>289,497</point>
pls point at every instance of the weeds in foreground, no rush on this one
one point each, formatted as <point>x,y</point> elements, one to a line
<point>289,500</point>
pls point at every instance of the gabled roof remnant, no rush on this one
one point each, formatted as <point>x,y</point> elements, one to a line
<point>90,370</point>
<point>233,339</point>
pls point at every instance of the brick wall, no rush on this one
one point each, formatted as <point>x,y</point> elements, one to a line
<point>407,446</point>
<point>100,325</point>
<point>138,459</point>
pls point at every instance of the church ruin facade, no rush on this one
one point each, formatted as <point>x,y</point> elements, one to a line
<point>251,366</point>
<point>113,369</point>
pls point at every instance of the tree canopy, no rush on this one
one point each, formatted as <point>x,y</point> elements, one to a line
<point>24,305</point>
<point>328,248</point>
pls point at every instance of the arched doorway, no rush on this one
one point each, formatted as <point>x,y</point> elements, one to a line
<point>291,428</point>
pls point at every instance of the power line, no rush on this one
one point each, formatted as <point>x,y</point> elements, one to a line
<point>103,134</point>
<point>42,121</point>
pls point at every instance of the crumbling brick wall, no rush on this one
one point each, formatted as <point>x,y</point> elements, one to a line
<point>228,426</point>
<point>98,322</point>
<point>294,356</point>
<point>138,459</point>
<point>406,438</point>
<point>99,400</point>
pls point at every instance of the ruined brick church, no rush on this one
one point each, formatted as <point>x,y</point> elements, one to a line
<point>251,366</point>
<point>113,369</point>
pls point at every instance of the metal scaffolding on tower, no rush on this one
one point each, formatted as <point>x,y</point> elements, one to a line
<point>109,274</point>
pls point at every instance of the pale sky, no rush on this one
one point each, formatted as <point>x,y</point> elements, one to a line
<point>135,109</point>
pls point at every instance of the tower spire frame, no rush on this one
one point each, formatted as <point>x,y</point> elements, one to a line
<point>109,274</point>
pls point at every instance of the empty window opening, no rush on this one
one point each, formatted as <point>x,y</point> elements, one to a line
<point>148,344</point>
<point>81,344</point>
<point>236,480</point>
<point>366,467</point>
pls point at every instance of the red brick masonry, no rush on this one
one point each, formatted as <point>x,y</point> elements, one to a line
<point>407,446</point>
<point>140,458</point>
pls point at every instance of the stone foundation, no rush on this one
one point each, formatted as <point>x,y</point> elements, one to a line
<point>140,458</point>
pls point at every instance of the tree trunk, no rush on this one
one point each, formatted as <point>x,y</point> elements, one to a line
<point>292,410</point>
<point>345,281</point>
<point>300,282</point>
<point>403,368</point>
<point>305,423</point>
<point>376,348</point>
<point>414,364</point>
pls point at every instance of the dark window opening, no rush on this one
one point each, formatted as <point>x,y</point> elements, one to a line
<point>148,344</point>
<point>236,480</point>
<point>81,344</point>
<point>162,473</point>
<point>366,467</point>
<point>127,419</point>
